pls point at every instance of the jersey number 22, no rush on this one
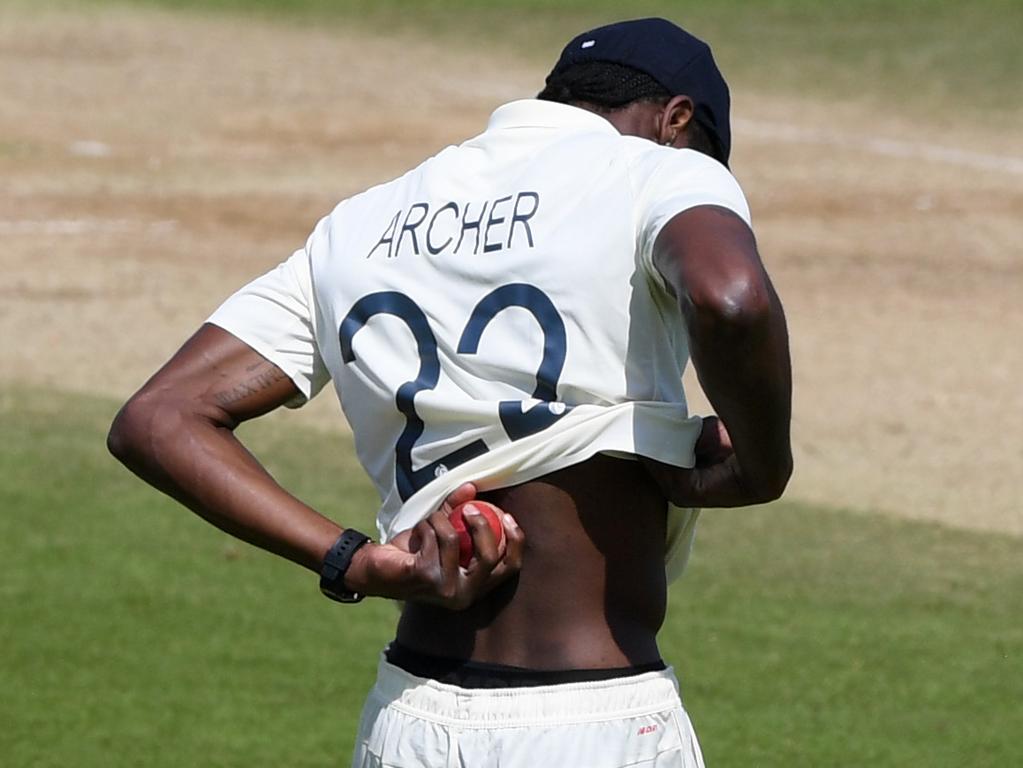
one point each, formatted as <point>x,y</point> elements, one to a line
<point>517,423</point>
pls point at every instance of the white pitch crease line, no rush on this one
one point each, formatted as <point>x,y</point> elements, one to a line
<point>80,226</point>
<point>890,147</point>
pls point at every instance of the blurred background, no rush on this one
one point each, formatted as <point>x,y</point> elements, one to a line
<point>154,156</point>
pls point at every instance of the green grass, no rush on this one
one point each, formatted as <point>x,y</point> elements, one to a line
<point>956,61</point>
<point>135,634</point>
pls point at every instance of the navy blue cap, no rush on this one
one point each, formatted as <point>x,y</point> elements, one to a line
<point>680,62</point>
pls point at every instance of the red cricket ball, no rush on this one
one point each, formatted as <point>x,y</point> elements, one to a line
<point>490,513</point>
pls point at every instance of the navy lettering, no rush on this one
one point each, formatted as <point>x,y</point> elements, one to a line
<point>411,228</point>
<point>488,246</point>
<point>387,237</point>
<point>523,218</point>
<point>467,224</point>
<point>429,230</point>
<point>488,229</point>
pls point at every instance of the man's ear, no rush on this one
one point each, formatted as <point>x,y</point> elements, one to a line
<point>673,121</point>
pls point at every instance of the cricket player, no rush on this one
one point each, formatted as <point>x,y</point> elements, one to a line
<point>509,322</point>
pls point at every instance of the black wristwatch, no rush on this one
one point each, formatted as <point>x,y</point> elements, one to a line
<point>335,566</point>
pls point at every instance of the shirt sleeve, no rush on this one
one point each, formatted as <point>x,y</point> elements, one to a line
<point>681,179</point>
<point>275,315</point>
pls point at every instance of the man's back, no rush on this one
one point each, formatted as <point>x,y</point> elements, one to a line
<point>493,316</point>
<point>501,290</point>
<point>591,593</point>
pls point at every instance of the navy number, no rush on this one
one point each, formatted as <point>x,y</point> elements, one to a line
<point>407,479</point>
<point>518,423</point>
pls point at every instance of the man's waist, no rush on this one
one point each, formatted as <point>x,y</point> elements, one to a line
<point>466,673</point>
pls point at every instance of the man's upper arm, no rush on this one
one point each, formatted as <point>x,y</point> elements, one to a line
<point>708,258</point>
<point>256,352</point>
<point>678,182</point>
<point>276,316</point>
<point>220,376</point>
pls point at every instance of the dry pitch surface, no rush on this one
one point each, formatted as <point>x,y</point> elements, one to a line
<point>153,162</point>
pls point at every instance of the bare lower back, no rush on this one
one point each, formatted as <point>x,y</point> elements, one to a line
<point>591,592</point>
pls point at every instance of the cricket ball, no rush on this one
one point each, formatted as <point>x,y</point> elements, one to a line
<point>493,517</point>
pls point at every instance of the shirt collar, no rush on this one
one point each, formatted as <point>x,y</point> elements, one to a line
<point>533,113</point>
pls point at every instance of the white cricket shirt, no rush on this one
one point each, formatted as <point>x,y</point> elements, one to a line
<point>494,314</point>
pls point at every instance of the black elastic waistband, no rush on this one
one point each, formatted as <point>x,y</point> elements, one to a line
<point>478,674</point>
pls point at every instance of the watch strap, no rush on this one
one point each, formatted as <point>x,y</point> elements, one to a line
<point>336,564</point>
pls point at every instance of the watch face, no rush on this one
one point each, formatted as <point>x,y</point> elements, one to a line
<point>343,596</point>
<point>332,584</point>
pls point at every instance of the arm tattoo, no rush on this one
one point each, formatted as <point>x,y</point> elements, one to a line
<point>256,383</point>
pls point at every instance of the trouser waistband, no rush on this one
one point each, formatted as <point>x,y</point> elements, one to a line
<point>631,696</point>
<point>476,674</point>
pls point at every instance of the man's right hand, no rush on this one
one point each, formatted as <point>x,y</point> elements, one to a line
<point>421,564</point>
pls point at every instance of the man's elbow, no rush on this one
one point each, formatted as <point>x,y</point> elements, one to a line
<point>740,303</point>
<point>125,438</point>
<point>144,424</point>
<point>772,486</point>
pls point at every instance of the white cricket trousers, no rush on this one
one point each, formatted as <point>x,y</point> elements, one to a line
<point>414,722</point>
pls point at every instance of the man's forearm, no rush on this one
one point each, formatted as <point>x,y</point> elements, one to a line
<point>190,457</point>
<point>176,433</point>
<point>742,361</point>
